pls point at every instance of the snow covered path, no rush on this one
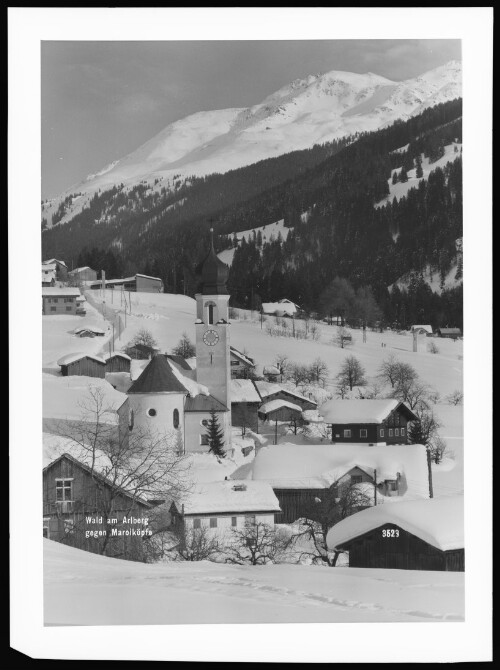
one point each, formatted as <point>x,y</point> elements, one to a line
<point>85,589</point>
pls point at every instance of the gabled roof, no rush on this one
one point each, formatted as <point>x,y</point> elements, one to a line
<point>54,291</point>
<point>143,347</point>
<point>451,331</point>
<point>54,260</point>
<point>362,411</point>
<point>71,358</point>
<point>119,354</point>
<point>204,403</point>
<point>101,477</point>
<point>85,267</point>
<point>157,377</point>
<point>437,521</point>
<point>275,405</point>
<point>267,389</point>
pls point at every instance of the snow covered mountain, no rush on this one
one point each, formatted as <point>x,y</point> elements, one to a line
<point>317,109</point>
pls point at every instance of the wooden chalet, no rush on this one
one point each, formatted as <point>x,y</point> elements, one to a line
<point>88,365</point>
<point>242,366</point>
<point>78,500</point>
<point>410,535</point>
<point>271,391</point>
<point>298,474</point>
<point>368,421</point>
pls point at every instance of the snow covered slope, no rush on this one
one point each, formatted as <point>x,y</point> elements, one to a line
<point>268,233</point>
<point>317,109</point>
<point>86,589</point>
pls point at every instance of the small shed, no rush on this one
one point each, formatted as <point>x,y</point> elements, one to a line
<point>452,333</point>
<point>410,535</point>
<point>427,330</point>
<point>141,352</point>
<point>271,373</point>
<point>89,331</point>
<point>88,365</point>
<point>117,361</point>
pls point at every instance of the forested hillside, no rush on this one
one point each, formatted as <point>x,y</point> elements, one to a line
<point>345,235</point>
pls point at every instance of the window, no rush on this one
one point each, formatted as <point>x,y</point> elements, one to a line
<point>68,299</point>
<point>390,432</point>
<point>196,523</point>
<point>234,521</point>
<point>356,479</point>
<point>396,432</point>
<point>176,418</point>
<point>233,362</point>
<point>68,309</point>
<point>64,489</point>
<point>250,520</point>
<point>45,531</point>
<point>363,432</point>
<point>382,432</point>
<point>347,433</point>
<point>55,299</point>
<point>392,485</point>
<point>402,431</point>
<point>52,309</point>
<point>151,412</point>
<point>210,312</point>
<point>213,523</point>
<point>204,440</point>
<point>204,422</point>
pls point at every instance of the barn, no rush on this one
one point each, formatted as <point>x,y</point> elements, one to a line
<point>272,391</point>
<point>82,274</point>
<point>117,361</point>
<point>369,421</point>
<point>245,403</point>
<point>88,365</point>
<point>409,535</point>
<point>139,282</point>
<point>300,473</point>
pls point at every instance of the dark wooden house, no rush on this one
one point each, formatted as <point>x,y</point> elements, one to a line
<point>117,362</point>
<point>81,506</point>
<point>368,421</point>
<point>87,365</point>
<point>245,403</point>
<point>413,535</point>
<point>242,366</point>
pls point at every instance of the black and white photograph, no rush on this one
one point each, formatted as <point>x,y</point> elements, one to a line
<point>248,367</point>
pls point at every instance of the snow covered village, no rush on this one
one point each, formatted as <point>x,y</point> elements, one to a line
<point>253,365</point>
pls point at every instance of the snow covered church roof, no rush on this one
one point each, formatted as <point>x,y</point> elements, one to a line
<point>158,377</point>
<point>437,521</point>
<point>361,411</point>
<point>231,496</point>
<point>319,466</point>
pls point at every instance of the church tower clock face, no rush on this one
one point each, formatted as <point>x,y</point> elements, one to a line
<point>211,337</point>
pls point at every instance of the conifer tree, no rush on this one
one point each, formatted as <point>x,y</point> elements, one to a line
<point>215,436</point>
<point>395,177</point>
<point>419,173</point>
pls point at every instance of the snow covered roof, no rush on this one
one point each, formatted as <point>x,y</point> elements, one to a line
<point>242,357</point>
<point>85,267</point>
<point>180,360</point>
<point>230,496</point>
<point>71,358</point>
<point>427,328</point>
<point>359,411</point>
<point>274,405</point>
<point>120,354</point>
<point>54,260</point>
<point>270,370</point>
<point>49,267</point>
<point>437,521</point>
<point>92,329</point>
<point>54,291</point>
<point>67,397</point>
<point>158,377</point>
<point>319,466</point>
<point>266,389</point>
<point>286,307</point>
<point>243,390</point>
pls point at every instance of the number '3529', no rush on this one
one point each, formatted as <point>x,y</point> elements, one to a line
<point>390,532</point>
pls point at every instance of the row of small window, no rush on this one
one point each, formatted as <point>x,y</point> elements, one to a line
<point>249,521</point>
<point>57,299</point>
<point>364,432</point>
<point>54,309</point>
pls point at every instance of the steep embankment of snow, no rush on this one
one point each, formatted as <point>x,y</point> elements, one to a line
<point>316,109</point>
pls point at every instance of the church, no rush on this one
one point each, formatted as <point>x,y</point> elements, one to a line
<point>168,397</point>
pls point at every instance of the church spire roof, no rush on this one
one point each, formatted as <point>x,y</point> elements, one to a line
<point>214,272</point>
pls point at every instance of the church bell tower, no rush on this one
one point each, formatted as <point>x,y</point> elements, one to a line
<point>212,328</point>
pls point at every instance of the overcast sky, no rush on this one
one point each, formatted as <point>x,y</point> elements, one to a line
<point>101,100</point>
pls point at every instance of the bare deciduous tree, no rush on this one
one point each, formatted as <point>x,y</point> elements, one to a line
<point>318,371</point>
<point>352,372</point>
<point>388,370</point>
<point>184,347</point>
<point>257,544</point>
<point>195,544</point>
<point>342,337</point>
<point>413,392</point>
<point>455,398</point>
<point>145,338</point>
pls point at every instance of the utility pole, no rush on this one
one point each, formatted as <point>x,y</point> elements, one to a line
<point>375,487</point>
<point>113,336</point>
<point>429,470</point>
<point>261,317</point>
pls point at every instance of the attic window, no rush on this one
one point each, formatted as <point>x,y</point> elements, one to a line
<point>239,487</point>
<point>151,412</point>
